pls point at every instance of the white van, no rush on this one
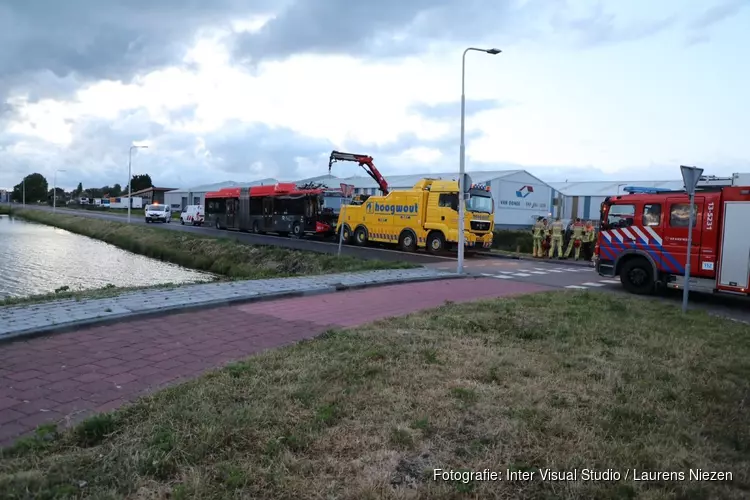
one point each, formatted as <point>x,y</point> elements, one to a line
<point>156,213</point>
<point>193,214</point>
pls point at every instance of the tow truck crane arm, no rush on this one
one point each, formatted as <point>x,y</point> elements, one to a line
<point>365,161</point>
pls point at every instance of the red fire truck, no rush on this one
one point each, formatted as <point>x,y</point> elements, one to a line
<point>643,238</point>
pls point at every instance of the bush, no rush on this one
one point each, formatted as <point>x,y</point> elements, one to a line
<point>510,240</point>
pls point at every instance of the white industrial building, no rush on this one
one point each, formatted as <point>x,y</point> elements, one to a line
<point>180,198</point>
<point>583,199</point>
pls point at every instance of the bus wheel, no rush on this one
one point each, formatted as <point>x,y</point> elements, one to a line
<point>407,242</point>
<point>636,276</point>
<point>360,236</point>
<point>296,230</point>
<point>436,242</point>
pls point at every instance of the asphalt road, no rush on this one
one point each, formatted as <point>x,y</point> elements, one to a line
<point>368,253</point>
<point>575,276</point>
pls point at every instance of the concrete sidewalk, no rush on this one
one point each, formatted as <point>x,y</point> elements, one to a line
<point>64,378</point>
<point>61,315</point>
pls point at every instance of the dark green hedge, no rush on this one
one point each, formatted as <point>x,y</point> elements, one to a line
<point>509,240</point>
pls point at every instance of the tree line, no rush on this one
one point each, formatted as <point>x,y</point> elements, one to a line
<point>37,189</point>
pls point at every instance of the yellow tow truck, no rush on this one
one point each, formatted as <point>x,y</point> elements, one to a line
<point>425,216</point>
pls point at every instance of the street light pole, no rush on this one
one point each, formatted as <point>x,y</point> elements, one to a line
<point>54,189</point>
<point>462,162</point>
<point>130,161</point>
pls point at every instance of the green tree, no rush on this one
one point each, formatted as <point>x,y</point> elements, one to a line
<point>116,191</point>
<point>36,189</point>
<point>79,189</point>
<point>140,181</point>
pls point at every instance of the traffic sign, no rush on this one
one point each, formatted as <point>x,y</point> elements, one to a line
<point>466,183</point>
<point>691,176</point>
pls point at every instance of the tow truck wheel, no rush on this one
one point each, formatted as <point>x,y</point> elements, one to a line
<point>436,242</point>
<point>407,242</point>
<point>347,236</point>
<point>360,236</point>
<point>636,276</point>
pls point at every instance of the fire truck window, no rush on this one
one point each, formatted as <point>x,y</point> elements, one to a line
<point>679,216</point>
<point>621,215</point>
<point>652,215</point>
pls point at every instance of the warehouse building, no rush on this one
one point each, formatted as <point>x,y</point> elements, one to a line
<point>178,199</point>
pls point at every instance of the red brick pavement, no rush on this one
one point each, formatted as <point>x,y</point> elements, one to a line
<point>65,377</point>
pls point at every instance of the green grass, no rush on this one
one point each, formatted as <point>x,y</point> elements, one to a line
<point>560,380</point>
<point>223,256</point>
<point>5,209</point>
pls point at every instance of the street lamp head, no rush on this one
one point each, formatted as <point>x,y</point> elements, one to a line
<point>493,51</point>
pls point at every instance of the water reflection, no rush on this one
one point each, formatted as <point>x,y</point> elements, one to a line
<point>37,259</point>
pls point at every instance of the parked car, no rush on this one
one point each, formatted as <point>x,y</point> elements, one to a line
<point>193,214</point>
<point>158,213</point>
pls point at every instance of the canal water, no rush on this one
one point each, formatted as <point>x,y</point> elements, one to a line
<point>37,259</point>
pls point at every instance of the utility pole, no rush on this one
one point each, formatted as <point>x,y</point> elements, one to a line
<point>130,161</point>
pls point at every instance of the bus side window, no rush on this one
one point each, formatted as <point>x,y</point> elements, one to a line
<point>652,215</point>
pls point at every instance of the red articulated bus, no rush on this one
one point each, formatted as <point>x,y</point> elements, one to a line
<point>283,208</point>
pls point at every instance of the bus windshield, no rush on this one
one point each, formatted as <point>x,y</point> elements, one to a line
<point>478,203</point>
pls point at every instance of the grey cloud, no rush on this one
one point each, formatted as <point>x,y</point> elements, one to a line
<point>599,27</point>
<point>699,28</point>
<point>94,40</point>
<point>718,13</point>
<point>382,29</point>
<point>452,110</point>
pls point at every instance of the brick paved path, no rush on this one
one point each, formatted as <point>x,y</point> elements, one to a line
<point>63,378</point>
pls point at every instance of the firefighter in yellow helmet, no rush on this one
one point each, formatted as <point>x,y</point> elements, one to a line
<point>556,229</point>
<point>538,234</point>
<point>576,239</point>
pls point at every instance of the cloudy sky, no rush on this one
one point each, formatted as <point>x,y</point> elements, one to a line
<point>243,89</point>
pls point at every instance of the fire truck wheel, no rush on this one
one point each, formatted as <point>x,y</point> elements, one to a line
<point>636,276</point>
<point>360,236</point>
<point>435,242</point>
<point>296,230</point>
<point>407,242</point>
<point>217,224</point>
<point>256,229</point>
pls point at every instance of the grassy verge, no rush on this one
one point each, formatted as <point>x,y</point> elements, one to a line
<point>5,209</point>
<point>223,256</point>
<point>95,293</point>
<point>527,384</point>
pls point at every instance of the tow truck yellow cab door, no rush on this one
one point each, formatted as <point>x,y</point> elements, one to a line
<point>444,216</point>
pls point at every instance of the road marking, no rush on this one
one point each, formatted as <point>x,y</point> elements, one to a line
<point>503,277</point>
<point>522,274</point>
<point>507,272</point>
<point>578,287</point>
<point>537,272</point>
<point>593,284</point>
<point>613,282</point>
<point>554,271</point>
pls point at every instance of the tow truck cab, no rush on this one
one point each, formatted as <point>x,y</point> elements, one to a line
<point>643,239</point>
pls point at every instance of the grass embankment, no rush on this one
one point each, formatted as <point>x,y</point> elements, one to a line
<point>5,210</point>
<point>558,380</point>
<point>224,256</point>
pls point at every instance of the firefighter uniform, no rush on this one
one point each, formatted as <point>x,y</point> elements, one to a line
<point>556,230</point>
<point>538,233</point>
<point>589,237</point>
<point>576,239</point>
